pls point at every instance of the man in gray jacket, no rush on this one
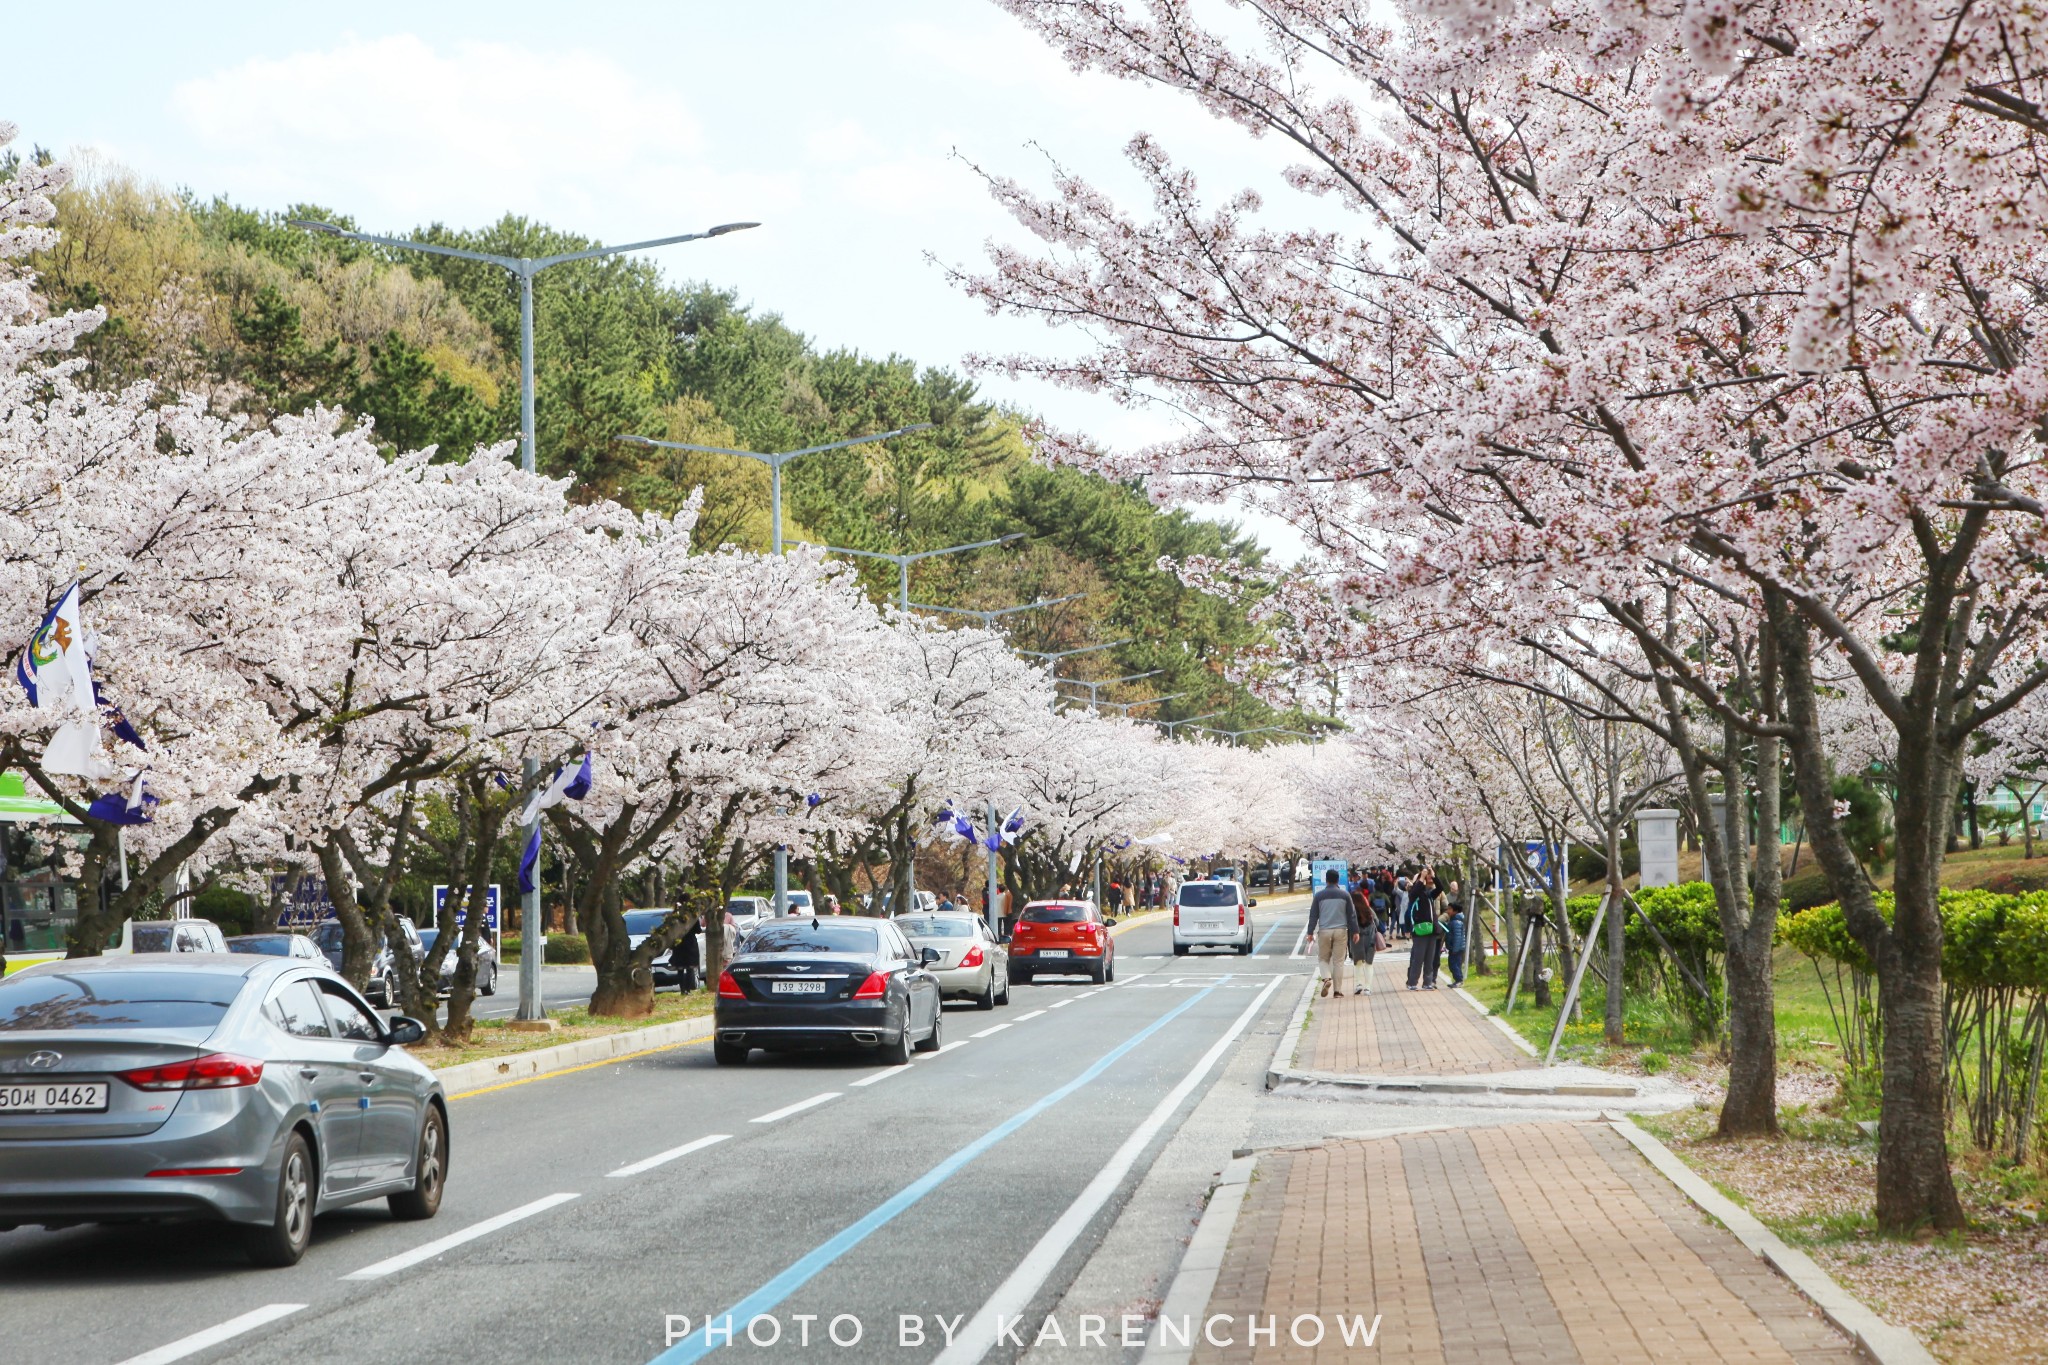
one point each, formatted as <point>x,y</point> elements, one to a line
<point>1334,924</point>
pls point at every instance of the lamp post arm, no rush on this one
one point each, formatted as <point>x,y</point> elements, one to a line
<point>511,263</point>
<point>542,263</point>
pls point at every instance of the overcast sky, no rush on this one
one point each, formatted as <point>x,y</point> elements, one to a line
<point>845,128</point>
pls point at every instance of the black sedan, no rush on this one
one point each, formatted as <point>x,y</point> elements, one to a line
<point>809,984</point>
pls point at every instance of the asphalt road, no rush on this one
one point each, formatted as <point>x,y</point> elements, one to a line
<point>603,1206</point>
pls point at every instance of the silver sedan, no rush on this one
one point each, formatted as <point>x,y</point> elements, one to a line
<point>248,1089</point>
<point>972,965</point>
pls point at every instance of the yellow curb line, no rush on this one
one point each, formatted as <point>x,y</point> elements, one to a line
<point>586,1066</point>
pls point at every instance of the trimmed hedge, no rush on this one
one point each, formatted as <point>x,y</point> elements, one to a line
<point>561,947</point>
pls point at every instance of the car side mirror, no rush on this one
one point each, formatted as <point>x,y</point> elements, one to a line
<point>404,1030</point>
<point>928,956</point>
<point>1253,902</point>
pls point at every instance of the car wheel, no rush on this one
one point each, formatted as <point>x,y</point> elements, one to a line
<point>898,1052</point>
<point>423,1200</point>
<point>931,1044</point>
<point>490,986</point>
<point>987,999</point>
<point>1245,949</point>
<point>1004,999</point>
<point>1180,950</point>
<point>282,1241</point>
<point>1109,968</point>
<point>728,1054</point>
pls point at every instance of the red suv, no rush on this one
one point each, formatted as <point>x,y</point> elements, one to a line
<point>1062,938</point>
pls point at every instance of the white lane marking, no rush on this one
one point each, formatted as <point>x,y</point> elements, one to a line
<point>407,1259</point>
<point>1015,1293</point>
<point>662,1158</point>
<point>1022,1017</point>
<point>1061,1004</point>
<point>812,1103</point>
<point>992,1028</point>
<point>927,1056</point>
<point>884,1074</point>
<point>214,1336</point>
<point>1085,994</point>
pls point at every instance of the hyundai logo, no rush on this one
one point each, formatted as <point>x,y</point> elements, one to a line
<point>797,966</point>
<point>44,1061</point>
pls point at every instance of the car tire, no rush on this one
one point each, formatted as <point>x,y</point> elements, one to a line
<point>490,986</point>
<point>729,1054</point>
<point>283,1240</point>
<point>430,1172</point>
<point>932,1042</point>
<point>1109,970</point>
<point>1180,950</point>
<point>1245,949</point>
<point>987,999</point>
<point>1020,976</point>
<point>898,1052</point>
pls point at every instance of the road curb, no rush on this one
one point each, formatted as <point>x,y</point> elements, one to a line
<point>1463,1085</point>
<point>1188,1296</point>
<point>1503,1025</point>
<point>469,1077</point>
<point>1880,1340</point>
<point>1282,1065</point>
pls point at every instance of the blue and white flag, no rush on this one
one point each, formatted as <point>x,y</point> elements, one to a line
<point>566,785</point>
<point>136,806</point>
<point>56,673</point>
<point>529,861</point>
<point>1013,826</point>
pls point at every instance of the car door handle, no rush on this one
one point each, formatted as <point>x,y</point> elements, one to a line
<point>309,1073</point>
<point>366,1076</point>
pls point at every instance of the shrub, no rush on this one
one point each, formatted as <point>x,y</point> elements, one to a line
<point>561,947</point>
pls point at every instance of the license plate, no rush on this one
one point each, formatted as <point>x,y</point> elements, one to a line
<point>796,988</point>
<point>1052,952</point>
<point>54,1097</point>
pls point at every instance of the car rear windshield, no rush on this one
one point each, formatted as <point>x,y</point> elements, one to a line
<point>935,926</point>
<point>644,921</point>
<point>328,936</point>
<point>802,938</point>
<point>1208,893</point>
<point>123,1000</point>
<point>268,944</point>
<point>1055,914</point>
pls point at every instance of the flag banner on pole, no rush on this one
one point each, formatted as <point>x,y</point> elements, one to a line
<point>56,673</point>
<point>567,785</point>
<point>136,806</point>
<point>529,863</point>
<point>1013,826</point>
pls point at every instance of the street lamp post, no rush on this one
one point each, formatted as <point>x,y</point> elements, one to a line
<point>988,619</point>
<point>1173,726</point>
<point>1095,686</point>
<point>903,562</point>
<point>1128,706</point>
<point>522,268</point>
<point>775,461</point>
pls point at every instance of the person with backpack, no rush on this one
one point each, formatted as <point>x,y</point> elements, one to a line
<point>1426,939</point>
<point>1367,942</point>
<point>1334,926</point>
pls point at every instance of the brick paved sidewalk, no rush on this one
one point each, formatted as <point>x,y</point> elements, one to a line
<point>1395,1030</point>
<point>1542,1243</point>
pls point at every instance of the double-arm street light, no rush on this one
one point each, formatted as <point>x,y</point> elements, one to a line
<point>903,562</point>
<point>1095,686</point>
<point>1128,706</point>
<point>1173,726</point>
<point>523,269</point>
<point>988,619</point>
<point>1055,655</point>
<point>775,460</point>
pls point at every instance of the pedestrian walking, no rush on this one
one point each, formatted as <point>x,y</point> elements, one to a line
<point>685,958</point>
<point>1334,925</point>
<point>1455,932</point>
<point>1367,942</point>
<point>1425,946</point>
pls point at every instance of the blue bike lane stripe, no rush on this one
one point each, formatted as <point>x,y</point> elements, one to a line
<point>735,1319</point>
<point>1260,946</point>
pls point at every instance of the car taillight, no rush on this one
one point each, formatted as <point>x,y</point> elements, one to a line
<point>215,1071</point>
<point>972,957</point>
<point>1240,914</point>
<point>874,988</point>
<point>1176,914</point>
<point>729,989</point>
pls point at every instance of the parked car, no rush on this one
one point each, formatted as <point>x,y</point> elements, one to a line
<point>921,903</point>
<point>383,967</point>
<point>799,902</point>
<point>1062,938</point>
<point>640,924</point>
<point>839,983</point>
<point>972,965</point>
<point>1262,875</point>
<point>487,966</point>
<point>277,945</point>
<point>1213,914</point>
<point>258,1090</point>
<point>168,936</point>
<point>747,911</point>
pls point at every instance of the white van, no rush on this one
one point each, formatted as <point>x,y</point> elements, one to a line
<point>169,936</point>
<point>1212,914</point>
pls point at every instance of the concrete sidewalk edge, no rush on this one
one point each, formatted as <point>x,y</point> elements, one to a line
<point>1881,1341</point>
<point>1290,1037</point>
<point>1492,1083</point>
<point>1503,1025</point>
<point>468,1077</point>
<point>1188,1296</point>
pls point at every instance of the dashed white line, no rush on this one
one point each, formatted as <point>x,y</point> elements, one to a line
<point>214,1336</point>
<point>884,1074</point>
<point>405,1260</point>
<point>1022,1017</point>
<point>927,1056</point>
<point>992,1028</point>
<point>1061,1004</point>
<point>662,1158</point>
<point>812,1103</point>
